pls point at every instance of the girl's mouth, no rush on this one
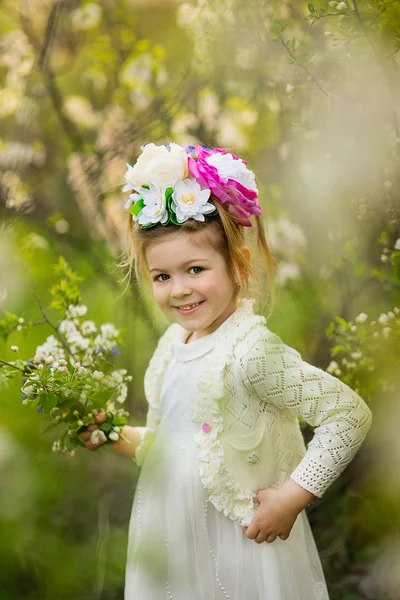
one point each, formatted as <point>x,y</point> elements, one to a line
<point>190,311</point>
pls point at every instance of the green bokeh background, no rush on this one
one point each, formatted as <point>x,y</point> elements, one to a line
<point>311,100</point>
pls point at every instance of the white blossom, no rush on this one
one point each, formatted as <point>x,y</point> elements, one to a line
<point>86,17</point>
<point>361,318</point>
<point>117,377</point>
<point>341,6</point>
<point>333,367</point>
<point>98,436</point>
<point>286,238</point>
<point>76,310</point>
<point>109,331</point>
<point>14,348</point>
<point>122,394</point>
<point>288,271</point>
<point>66,327</point>
<point>77,341</point>
<point>98,374</point>
<point>386,331</point>
<point>114,436</point>
<point>356,355</point>
<point>88,327</point>
<point>383,319</point>
<point>51,347</point>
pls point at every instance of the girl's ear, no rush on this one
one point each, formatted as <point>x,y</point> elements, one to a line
<point>247,252</point>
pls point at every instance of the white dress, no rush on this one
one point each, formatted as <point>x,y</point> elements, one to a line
<point>180,546</point>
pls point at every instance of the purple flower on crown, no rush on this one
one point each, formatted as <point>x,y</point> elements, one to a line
<point>191,151</point>
<point>229,180</point>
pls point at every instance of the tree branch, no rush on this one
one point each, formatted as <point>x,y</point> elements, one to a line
<point>54,327</point>
<point>4,362</point>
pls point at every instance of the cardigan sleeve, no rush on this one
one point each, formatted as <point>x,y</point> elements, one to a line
<point>276,373</point>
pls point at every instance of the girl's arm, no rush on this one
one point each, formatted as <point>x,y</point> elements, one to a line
<point>277,374</point>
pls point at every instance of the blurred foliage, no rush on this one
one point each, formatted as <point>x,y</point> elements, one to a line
<point>309,94</point>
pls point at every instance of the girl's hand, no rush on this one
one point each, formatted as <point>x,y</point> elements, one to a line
<point>275,517</point>
<point>86,435</point>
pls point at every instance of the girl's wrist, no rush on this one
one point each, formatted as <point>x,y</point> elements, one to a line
<point>128,442</point>
<point>295,497</point>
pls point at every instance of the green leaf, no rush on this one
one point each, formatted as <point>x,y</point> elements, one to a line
<point>100,398</point>
<point>48,401</point>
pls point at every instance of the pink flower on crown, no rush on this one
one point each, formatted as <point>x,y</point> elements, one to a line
<point>229,180</point>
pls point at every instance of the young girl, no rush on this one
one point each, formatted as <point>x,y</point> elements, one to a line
<point>219,509</point>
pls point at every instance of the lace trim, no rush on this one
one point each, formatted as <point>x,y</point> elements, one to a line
<point>225,494</point>
<point>321,592</point>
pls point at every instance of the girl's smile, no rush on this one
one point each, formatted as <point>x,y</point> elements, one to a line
<point>190,311</point>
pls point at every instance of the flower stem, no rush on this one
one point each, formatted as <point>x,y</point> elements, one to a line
<point>4,362</point>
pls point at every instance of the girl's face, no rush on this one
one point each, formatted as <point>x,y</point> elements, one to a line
<point>183,272</point>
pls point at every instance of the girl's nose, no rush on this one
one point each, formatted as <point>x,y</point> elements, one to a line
<point>180,288</point>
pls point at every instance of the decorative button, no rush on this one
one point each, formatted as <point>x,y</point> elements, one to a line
<point>206,427</point>
<point>253,458</point>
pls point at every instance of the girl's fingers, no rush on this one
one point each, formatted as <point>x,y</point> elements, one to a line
<point>270,538</point>
<point>101,417</point>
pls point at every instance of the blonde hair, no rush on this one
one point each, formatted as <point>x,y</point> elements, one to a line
<point>222,233</point>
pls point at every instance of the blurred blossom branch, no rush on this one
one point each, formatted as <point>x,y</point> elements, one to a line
<point>380,62</point>
<point>302,60</point>
<point>73,378</point>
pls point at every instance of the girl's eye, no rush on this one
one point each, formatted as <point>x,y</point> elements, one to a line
<point>196,268</point>
<point>162,274</point>
<point>158,277</point>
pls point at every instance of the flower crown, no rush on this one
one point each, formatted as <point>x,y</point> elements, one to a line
<point>173,184</point>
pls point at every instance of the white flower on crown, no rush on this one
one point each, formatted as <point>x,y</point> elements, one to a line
<point>159,165</point>
<point>230,167</point>
<point>189,200</point>
<point>155,208</point>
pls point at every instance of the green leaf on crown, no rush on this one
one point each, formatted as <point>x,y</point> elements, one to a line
<point>137,207</point>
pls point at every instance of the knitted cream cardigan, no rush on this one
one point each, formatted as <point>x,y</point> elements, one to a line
<point>247,409</point>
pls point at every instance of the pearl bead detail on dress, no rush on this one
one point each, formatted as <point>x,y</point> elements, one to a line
<point>212,553</point>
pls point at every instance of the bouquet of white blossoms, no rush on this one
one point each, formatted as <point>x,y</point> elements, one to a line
<point>72,376</point>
